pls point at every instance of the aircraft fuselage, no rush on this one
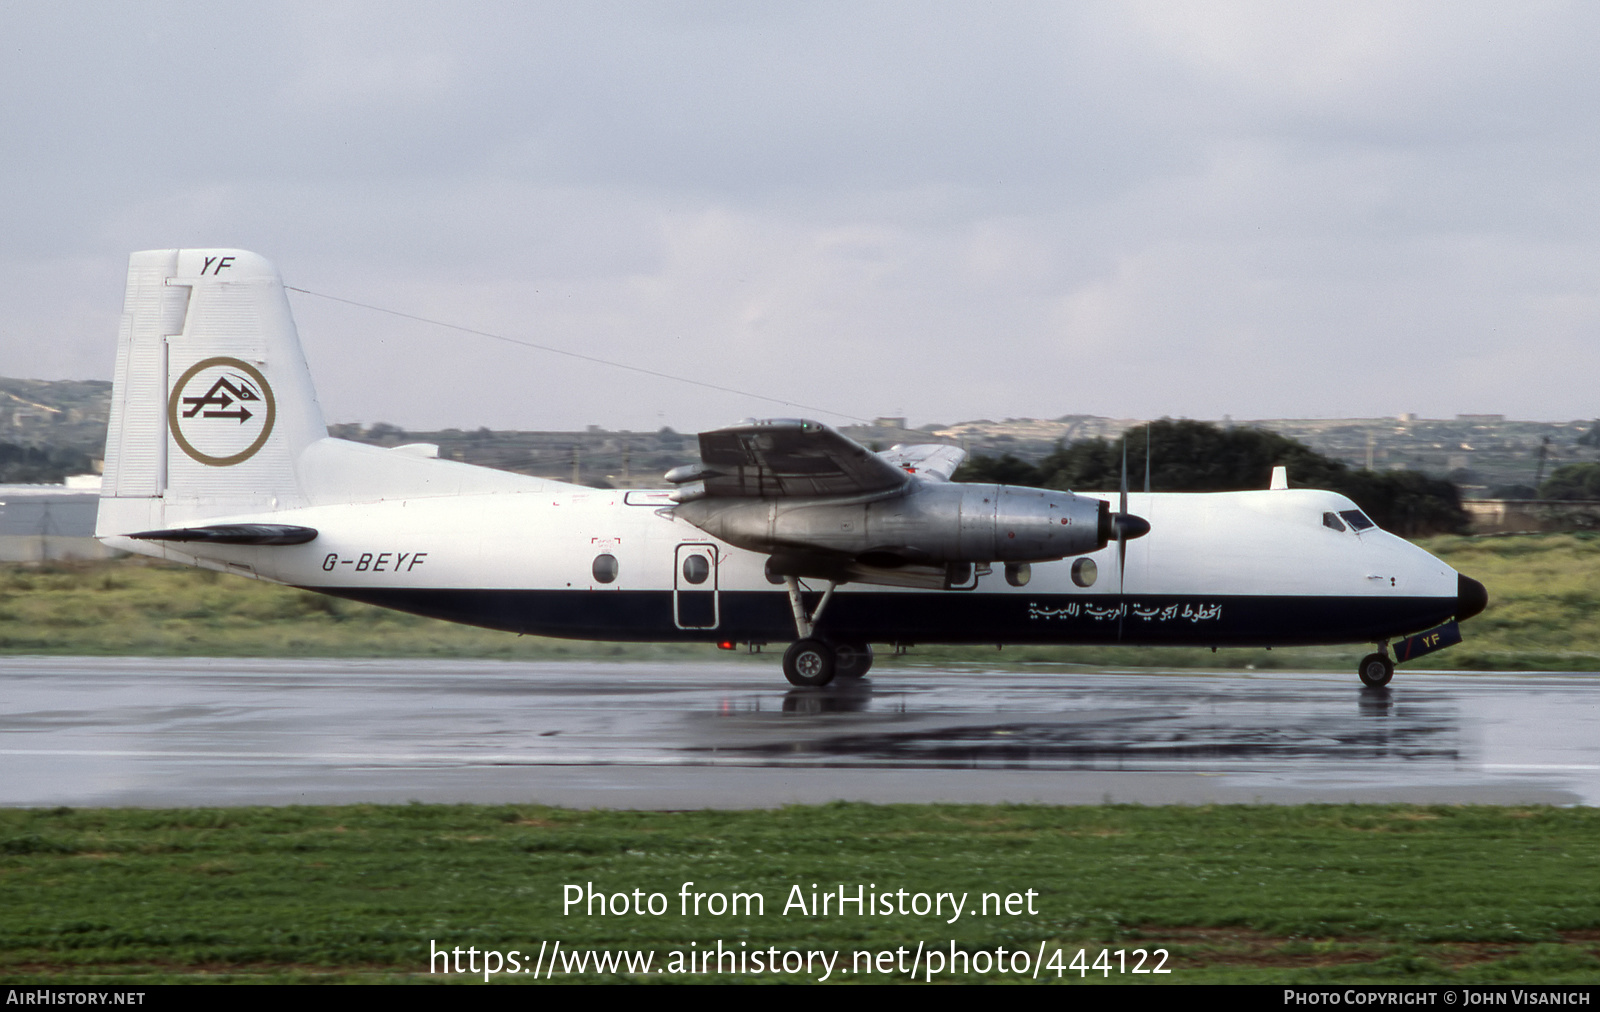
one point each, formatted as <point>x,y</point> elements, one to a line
<point>1229,569</point>
<point>217,455</point>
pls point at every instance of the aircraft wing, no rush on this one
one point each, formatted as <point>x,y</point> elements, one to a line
<point>780,458</point>
<point>930,460</point>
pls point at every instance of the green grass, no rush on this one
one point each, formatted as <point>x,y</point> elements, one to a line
<point>1307,894</point>
<point>1544,602</point>
<point>1543,614</point>
<point>134,606</point>
<point>1304,894</point>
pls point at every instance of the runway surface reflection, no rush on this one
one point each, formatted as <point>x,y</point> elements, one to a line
<point>203,731</point>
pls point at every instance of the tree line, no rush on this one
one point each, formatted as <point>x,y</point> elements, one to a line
<point>1190,456</point>
<point>1572,481</point>
<point>40,465</point>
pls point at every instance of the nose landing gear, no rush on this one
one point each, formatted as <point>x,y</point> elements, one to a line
<point>1376,669</point>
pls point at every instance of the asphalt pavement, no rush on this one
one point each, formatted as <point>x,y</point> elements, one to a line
<point>158,732</point>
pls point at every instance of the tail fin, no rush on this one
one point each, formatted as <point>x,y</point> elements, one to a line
<point>212,404</point>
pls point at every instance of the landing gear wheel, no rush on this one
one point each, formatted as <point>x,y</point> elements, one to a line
<point>1376,670</point>
<point>852,660</point>
<point>809,663</point>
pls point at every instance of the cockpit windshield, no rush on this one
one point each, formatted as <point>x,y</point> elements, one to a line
<point>1357,520</point>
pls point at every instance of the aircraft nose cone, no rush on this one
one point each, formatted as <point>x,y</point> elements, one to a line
<point>1471,597</point>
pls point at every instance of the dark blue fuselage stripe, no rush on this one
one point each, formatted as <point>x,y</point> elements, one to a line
<point>883,617</point>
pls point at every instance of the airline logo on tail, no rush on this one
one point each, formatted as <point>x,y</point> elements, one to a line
<point>221,411</point>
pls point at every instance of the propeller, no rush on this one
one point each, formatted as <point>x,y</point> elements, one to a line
<point>1127,527</point>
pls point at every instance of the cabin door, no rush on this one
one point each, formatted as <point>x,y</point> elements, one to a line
<point>694,587</point>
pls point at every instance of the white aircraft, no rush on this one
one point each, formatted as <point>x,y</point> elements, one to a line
<point>217,456</point>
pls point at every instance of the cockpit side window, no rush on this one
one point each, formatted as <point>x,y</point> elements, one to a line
<point>1332,520</point>
<point>1357,520</point>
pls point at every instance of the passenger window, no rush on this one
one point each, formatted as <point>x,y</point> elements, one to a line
<point>696,569</point>
<point>1084,572</point>
<point>1332,520</point>
<point>1357,520</point>
<point>605,568</point>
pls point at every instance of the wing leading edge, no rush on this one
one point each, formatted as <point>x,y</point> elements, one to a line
<point>796,458</point>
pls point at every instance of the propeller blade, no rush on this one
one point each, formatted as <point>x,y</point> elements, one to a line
<point>1122,504</point>
<point>1122,570</point>
<point>1147,429</point>
<point>1122,559</point>
<point>1122,543</point>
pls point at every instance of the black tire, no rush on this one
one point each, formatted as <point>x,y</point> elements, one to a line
<point>1375,670</point>
<point>852,660</point>
<point>809,663</point>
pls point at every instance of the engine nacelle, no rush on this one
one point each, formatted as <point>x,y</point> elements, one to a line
<point>932,523</point>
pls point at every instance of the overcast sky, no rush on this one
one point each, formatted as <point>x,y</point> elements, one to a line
<point>944,210</point>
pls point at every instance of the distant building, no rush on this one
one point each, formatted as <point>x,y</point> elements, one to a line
<point>1511,516</point>
<point>40,522</point>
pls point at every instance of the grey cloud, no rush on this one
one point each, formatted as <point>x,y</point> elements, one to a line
<point>950,210</point>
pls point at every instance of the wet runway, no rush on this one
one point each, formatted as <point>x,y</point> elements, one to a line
<point>199,731</point>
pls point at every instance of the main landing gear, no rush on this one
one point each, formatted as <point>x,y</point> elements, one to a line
<point>1376,669</point>
<point>809,663</point>
<point>852,660</point>
<point>813,660</point>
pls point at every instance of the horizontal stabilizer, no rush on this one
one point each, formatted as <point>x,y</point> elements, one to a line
<point>235,534</point>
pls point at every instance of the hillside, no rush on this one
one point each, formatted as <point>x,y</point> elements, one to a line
<point>1477,452</point>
